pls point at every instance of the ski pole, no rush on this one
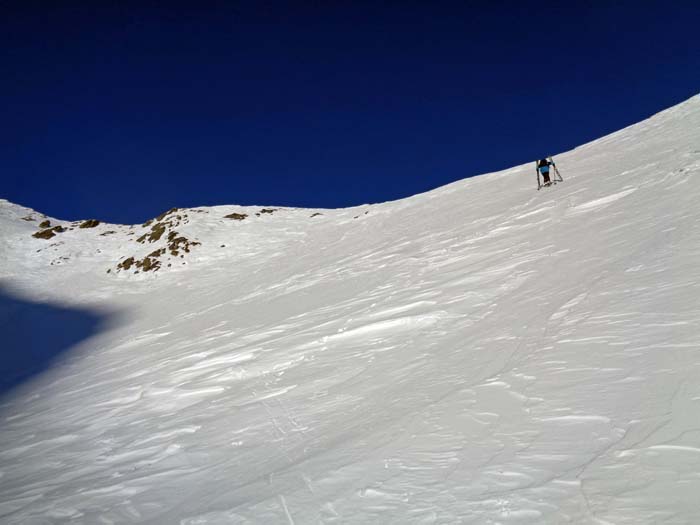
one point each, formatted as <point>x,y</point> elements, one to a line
<point>556,170</point>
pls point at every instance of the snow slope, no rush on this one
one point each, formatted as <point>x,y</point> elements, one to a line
<point>482,353</point>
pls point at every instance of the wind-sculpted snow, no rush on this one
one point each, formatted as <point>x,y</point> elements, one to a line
<point>482,353</point>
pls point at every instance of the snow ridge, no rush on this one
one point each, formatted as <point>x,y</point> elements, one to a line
<point>481,353</point>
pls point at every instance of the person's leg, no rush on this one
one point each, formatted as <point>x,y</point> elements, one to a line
<point>545,177</point>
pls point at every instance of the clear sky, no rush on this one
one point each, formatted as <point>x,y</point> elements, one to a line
<point>121,112</point>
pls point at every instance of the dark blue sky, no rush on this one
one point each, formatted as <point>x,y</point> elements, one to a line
<point>121,112</point>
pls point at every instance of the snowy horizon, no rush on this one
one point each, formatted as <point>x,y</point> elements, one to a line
<point>483,352</point>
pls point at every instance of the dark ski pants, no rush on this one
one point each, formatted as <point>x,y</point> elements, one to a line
<point>545,177</point>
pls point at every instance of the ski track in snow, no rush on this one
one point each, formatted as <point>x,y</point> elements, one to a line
<point>482,353</point>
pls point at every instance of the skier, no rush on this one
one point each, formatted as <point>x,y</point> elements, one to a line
<point>542,166</point>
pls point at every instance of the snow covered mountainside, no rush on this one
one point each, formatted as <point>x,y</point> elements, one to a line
<point>481,353</point>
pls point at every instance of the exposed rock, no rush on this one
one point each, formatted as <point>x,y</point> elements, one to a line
<point>236,216</point>
<point>45,224</point>
<point>165,213</point>
<point>126,264</point>
<point>157,231</point>
<point>162,226</point>
<point>49,232</point>
<point>44,234</point>
<point>148,264</point>
<point>175,244</point>
<point>90,223</point>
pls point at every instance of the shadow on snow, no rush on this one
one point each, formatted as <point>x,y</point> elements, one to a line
<point>33,335</point>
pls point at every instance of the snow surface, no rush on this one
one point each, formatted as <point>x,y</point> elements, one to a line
<point>481,353</point>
